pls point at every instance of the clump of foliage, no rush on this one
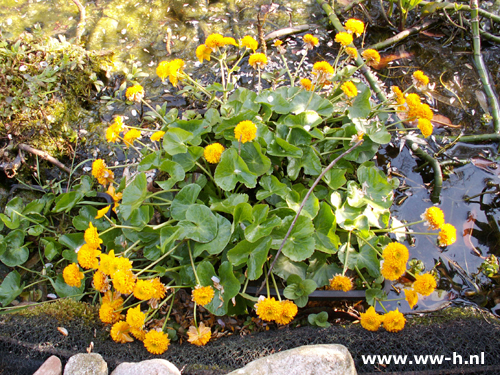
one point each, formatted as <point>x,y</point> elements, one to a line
<point>269,186</point>
<point>46,84</point>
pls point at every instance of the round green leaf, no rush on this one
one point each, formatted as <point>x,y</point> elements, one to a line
<point>200,224</point>
<point>15,253</point>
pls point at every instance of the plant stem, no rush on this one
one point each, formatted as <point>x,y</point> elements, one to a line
<point>192,265</point>
<point>275,287</point>
<point>161,258</point>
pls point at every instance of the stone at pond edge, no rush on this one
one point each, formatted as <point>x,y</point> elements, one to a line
<point>331,359</point>
<point>150,367</point>
<point>51,366</point>
<point>86,364</point>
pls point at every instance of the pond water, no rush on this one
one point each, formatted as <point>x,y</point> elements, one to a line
<point>149,31</point>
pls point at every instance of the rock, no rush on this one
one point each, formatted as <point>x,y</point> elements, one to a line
<point>86,364</point>
<point>305,360</point>
<point>151,367</point>
<point>51,366</point>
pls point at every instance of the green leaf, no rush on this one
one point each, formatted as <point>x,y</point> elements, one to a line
<point>10,218</point>
<point>51,248</point>
<point>271,186</point>
<point>229,283</point>
<point>335,178</point>
<point>284,268</point>
<point>362,153</point>
<point>10,288</point>
<point>15,253</point>
<point>168,236</point>
<point>297,196</point>
<point>309,161</point>
<point>242,213</point>
<point>261,229</point>
<point>150,161</point>
<point>320,271</point>
<point>300,244</point>
<point>326,239</point>
<point>298,289</point>
<point>200,224</point>
<point>280,147</point>
<point>188,160</point>
<point>374,295</point>
<point>305,120</point>
<point>306,100</point>
<point>256,162</point>
<point>87,215</point>
<point>277,99</point>
<point>361,108</point>
<point>241,99</point>
<point>228,205</point>
<point>377,190</point>
<point>134,195</point>
<point>195,127</point>
<point>319,320</point>
<point>175,171</point>
<point>183,200</point>
<point>253,254</point>
<point>232,169</point>
<point>64,290</point>
<point>218,244</point>
<point>175,141</point>
<point>72,240</point>
<point>66,201</point>
<point>35,230</point>
<point>368,259</point>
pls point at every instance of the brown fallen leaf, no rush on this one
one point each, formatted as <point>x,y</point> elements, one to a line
<point>385,60</point>
<point>439,121</point>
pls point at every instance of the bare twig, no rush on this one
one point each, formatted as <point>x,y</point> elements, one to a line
<point>81,24</point>
<point>316,182</point>
<point>44,156</point>
<point>402,35</point>
<point>288,31</point>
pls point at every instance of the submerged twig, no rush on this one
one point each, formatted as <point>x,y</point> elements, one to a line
<point>481,67</point>
<point>402,35</point>
<point>372,80</point>
<point>461,7</point>
<point>309,192</point>
<point>288,31</point>
<point>44,156</point>
<point>81,24</point>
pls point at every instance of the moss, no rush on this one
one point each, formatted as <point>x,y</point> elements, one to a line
<point>446,315</point>
<point>64,309</point>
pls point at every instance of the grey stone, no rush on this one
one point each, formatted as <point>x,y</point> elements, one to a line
<point>150,367</point>
<point>51,366</point>
<point>86,364</point>
<point>305,360</point>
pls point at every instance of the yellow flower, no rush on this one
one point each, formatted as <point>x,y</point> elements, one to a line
<point>108,311</point>
<point>131,136</point>
<point>340,282</point>
<point>116,196</point>
<point>227,40</point>
<point>113,131</point>
<point>306,84</point>
<point>394,321</point>
<point>249,42</point>
<point>100,282</point>
<point>412,297</point>
<point>144,290</point>
<point>448,235</point>
<point>396,252</point>
<point>116,264</point>
<point>72,275</point>
<point>135,93</point>
<point>371,56</point>
<point>135,318</point>
<point>370,320</point>
<point>322,67</point>
<point>257,60</point>
<point>245,131</point>
<point>424,284</point>
<point>214,41</point>
<point>343,38</point>
<point>199,336</point>
<point>419,111</point>
<point>202,295</point>
<point>352,52</point>
<point>162,70</point>
<point>159,288</point>
<point>310,41</point>
<point>268,309</point>
<point>400,99</point>
<point>157,136</point>
<point>277,43</point>
<point>113,298</point>
<point>355,26</point>
<point>120,332</point>
<point>102,212</point>
<point>349,89</point>
<point>213,152</point>
<point>139,334</point>
<point>156,342</point>
<point>392,270</point>
<point>420,79</point>
<point>124,281</point>
<point>98,168</point>
<point>413,100</point>
<point>91,237</point>
<point>106,262</point>
<point>288,311</point>
<point>203,53</point>
<point>175,71</point>
<point>434,217</point>
<point>87,257</point>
